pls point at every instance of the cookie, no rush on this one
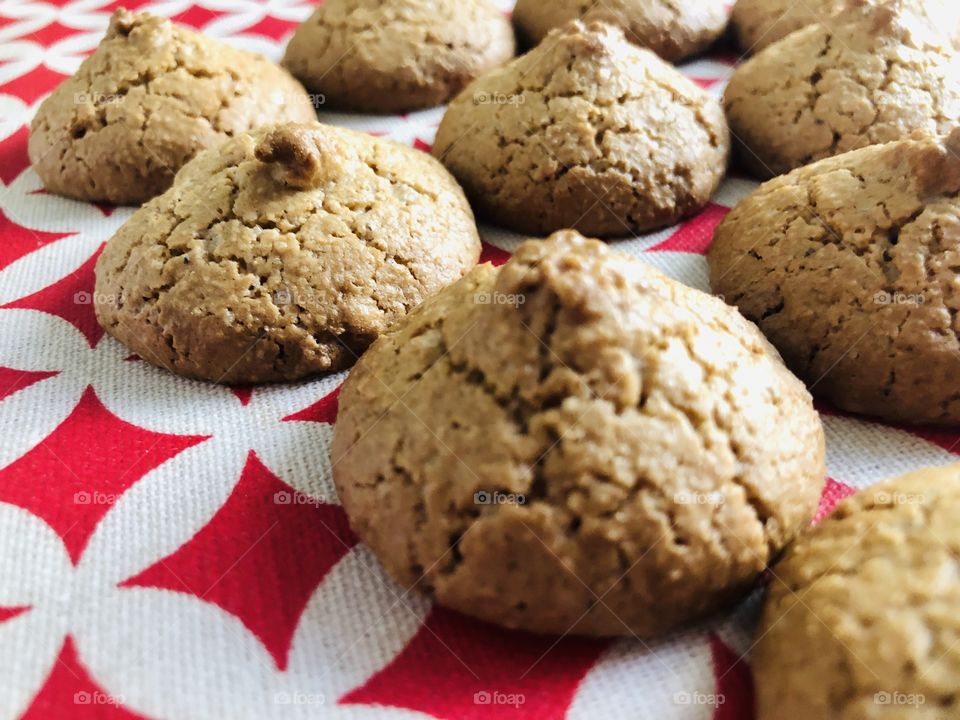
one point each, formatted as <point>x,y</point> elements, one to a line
<point>759,23</point>
<point>583,445</point>
<point>283,253</point>
<point>588,132</point>
<point>150,97</point>
<point>871,75</point>
<point>849,267</point>
<point>397,55</point>
<point>673,29</point>
<point>860,621</point>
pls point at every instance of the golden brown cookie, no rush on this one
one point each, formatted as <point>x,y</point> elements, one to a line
<point>861,617</point>
<point>152,96</point>
<point>673,29</point>
<point>759,23</point>
<point>586,131</point>
<point>582,445</point>
<point>397,55</point>
<point>283,253</point>
<point>849,266</point>
<point>871,75</point>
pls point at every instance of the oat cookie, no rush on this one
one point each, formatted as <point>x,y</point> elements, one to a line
<point>849,267</point>
<point>283,253</point>
<point>673,29</point>
<point>872,75</point>
<point>576,425</point>
<point>586,131</point>
<point>152,96</point>
<point>759,23</point>
<point>861,620</point>
<point>397,55</point>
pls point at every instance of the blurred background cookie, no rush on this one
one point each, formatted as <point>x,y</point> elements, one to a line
<point>397,55</point>
<point>585,131</point>
<point>576,426</point>
<point>673,29</point>
<point>283,253</point>
<point>759,23</point>
<point>870,75</point>
<point>849,266</point>
<point>860,621</point>
<point>152,96</point>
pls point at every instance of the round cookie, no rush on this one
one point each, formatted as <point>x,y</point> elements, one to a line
<point>283,253</point>
<point>849,267</point>
<point>673,29</point>
<point>390,56</point>
<point>872,76</point>
<point>150,97</point>
<point>583,445</point>
<point>860,620</point>
<point>759,23</point>
<point>588,132</point>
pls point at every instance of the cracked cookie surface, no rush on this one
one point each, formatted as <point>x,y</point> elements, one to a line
<point>860,621</point>
<point>673,29</point>
<point>871,75</point>
<point>849,266</point>
<point>662,451</point>
<point>397,55</point>
<point>152,96</point>
<point>759,23</point>
<point>283,253</point>
<point>588,132</point>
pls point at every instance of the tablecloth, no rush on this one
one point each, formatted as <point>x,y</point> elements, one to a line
<point>174,549</point>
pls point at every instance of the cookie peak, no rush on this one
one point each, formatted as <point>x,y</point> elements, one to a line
<point>302,156</point>
<point>123,21</point>
<point>594,37</point>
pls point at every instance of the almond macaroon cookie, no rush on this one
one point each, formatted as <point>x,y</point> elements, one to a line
<point>282,253</point>
<point>150,97</point>
<point>586,131</point>
<point>673,29</point>
<point>849,266</point>
<point>861,617</point>
<point>871,75</point>
<point>759,23</point>
<point>397,55</point>
<point>584,445</point>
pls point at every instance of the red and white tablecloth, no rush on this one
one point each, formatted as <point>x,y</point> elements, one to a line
<point>173,549</point>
